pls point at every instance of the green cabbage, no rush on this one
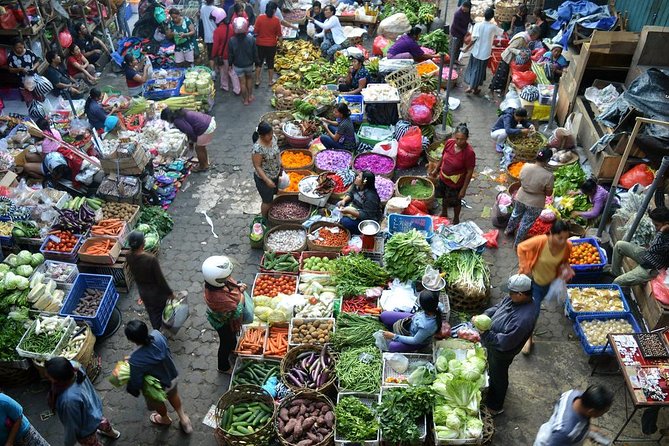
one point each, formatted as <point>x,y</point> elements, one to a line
<point>442,364</point>
<point>24,257</point>
<point>4,267</point>
<point>12,261</point>
<point>479,363</point>
<point>262,313</point>
<point>455,366</point>
<point>444,433</point>
<point>10,281</point>
<point>22,283</point>
<point>36,259</point>
<point>470,371</point>
<point>482,322</point>
<point>440,412</point>
<point>24,270</point>
<point>452,421</point>
<point>473,427</point>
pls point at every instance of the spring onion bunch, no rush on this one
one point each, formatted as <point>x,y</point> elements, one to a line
<point>466,271</point>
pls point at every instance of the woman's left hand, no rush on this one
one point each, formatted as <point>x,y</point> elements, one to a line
<point>388,334</point>
<point>462,194</point>
<point>243,287</point>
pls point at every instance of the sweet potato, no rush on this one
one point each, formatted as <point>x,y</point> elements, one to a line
<point>329,419</point>
<point>308,423</point>
<point>303,409</point>
<point>313,437</point>
<point>281,425</point>
<point>324,410</point>
<point>283,414</point>
<point>305,443</point>
<point>294,411</point>
<point>298,430</point>
<point>290,427</point>
<point>320,421</point>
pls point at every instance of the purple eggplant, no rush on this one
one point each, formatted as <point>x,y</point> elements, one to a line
<point>294,380</point>
<point>324,354</point>
<point>323,378</point>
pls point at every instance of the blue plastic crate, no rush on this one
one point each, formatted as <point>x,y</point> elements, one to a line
<point>354,98</point>
<point>6,241</point>
<point>162,94</point>
<point>591,350</point>
<point>405,223</point>
<point>98,322</point>
<point>68,257</point>
<point>612,286</point>
<point>594,269</point>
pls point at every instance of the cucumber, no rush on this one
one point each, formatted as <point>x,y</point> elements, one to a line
<point>244,430</point>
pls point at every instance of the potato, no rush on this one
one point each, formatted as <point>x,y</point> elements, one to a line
<point>289,427</point>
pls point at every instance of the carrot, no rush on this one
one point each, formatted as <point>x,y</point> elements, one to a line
<point>252,342</point>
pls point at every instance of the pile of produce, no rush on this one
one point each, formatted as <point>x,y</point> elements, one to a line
<point>355,331</point>
<point>319,296</point>
<point>595,300</point>
<point>26,229</point>
<point>406,255</point>
<point>529,142</point>
<point>359,369</point>
<point>6,228</point>
<point>375,163</point>
<point>596,330</point>
<point>568,178</point>
<point>355,421</point>
<point>466,271</point>
<point>290,210</point>
<point>384,187</point>
<point>89,302</point>
<point>331,236</point>
<point>311,331</point>
<point>341,186</point>
<point>255,373</point>
<point>515,168</point>
<point>416,12</point>
<point>62,241</point>
<point>10,335</point>
<point>354,274</point>
<point>242,419</point>
<point>151,236</point>
<point>43,294</point>
<point>272,309</point>
<point>318,264</point>
<point>311,369</point>
<point>651,344</point>
<point>425,69</point>
<point>282,263</point>
<point>78,221</point>
<point>74,345</point>
<point>76,203</point>
<point>158,218</point>
<point>295,178</point>
<point>333,160</point>
<point>45,334</point>
<point>584,253</point>
<point>436,40</point>
<point>151,387</point>
<point>277,342</point>
<point>58,271</point>
<point>305,421</point>
<point>295,53</point>
<point>98,247</point>
<point>252,341</point>
<point>284,98</point>
<point>360,305</point>
<point>418,188</point>
<point>401,412</point>
<point>291,159</point>
<point>271,285</point>
<point>121,211</point>
<point>112,227</point>
<point>286,240</point>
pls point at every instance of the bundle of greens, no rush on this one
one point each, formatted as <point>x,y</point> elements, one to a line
<point>354,331</point>
<point>359,369</point>
<point>158,218</point>
<point>354,274</point>
<point>417,12</point>
<point>151,388</point>
<point>10,334</point>
<point>406,255</point>
<point>401,410</point>
<point>355,421</point>
<point>629,207</point>
<point>437,40</point>
<point>465,271</point>
<point>568,178</point>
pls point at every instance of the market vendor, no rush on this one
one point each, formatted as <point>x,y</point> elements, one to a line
<point>78,67</point>
<point>51,142</point>
<point>554,62</point>
<point>266,164</point>
<point>513,320</point>
<point>91,46</point>
<point>182,30</point>
<point>63,84</point>
<point>133,79</point>
<point>357,78</point>
<point>332,33</point>
<point>361,203</point>
<point>99,116</point>
<point>316,12</point>
<point>454,172</point>
<point>198,127</point>
<point>411,332</point>
<point>227,306</point>
<point>510,122</point>
<point>407,47</point>
<point>21,60</point>
<point>597,196</point>
<point>340,133</point>
<point>649,260</point>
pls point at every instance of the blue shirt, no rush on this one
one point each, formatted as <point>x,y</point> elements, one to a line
<point>422,328</point>
<point>565,427</point>
<point>11,411</point>
<point>80,410</point>
<point>96,115</point>
<point>154,359</point>
<point>511,325</point>
<point>507,122</point>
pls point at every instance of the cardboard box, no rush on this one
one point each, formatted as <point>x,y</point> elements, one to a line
<point>107,259</point>
<point>132,165</point>
<point>9,179</point>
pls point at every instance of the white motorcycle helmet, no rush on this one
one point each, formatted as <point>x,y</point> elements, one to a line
<point>216,269</point>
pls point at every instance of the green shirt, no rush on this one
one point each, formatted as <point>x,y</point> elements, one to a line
<point>181,43</point>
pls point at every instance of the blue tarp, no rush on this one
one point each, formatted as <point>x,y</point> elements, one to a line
<point>583,12</point>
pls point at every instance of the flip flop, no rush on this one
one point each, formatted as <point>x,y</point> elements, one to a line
<point>154,419</point>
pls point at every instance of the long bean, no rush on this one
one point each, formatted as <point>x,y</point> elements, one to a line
<point>355,331</point>
<point>359,369</point>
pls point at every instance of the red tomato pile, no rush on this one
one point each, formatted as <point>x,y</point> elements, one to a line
<point>67,242</point>
<point>270,285</point>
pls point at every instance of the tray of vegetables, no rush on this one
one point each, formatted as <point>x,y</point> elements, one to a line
<point>362,305</point>
<point>253,371</point>
<point>394,375</point>
<point>355,331</point>
<point>285,262</point>
<point>61,245</point>
<point>288,209</point>
<point>356,422</point>
<point>252,341</point>
<point>248,415</point>
<point>595,299</point>
<point>46,337</point>
<point>62,273</point>
<point>308,367</point>
<point>78,221</point>
<point>592,330</point>
<point>306,419</point>
<point>286,238</point>
<point>325,236</point>
<point>317,262</point>
<point>359,369</point>
<point>310,330</point>
<point>276,344</point>
<point>267,284</point>
<point>403,414</point>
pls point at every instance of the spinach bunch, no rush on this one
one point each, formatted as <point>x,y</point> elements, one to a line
<point>399,411</point>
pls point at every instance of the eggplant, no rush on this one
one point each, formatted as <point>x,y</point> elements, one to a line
<point>323,355</point>
<point>294,380</point>
<point>323,378</point>
<point>301,356</point>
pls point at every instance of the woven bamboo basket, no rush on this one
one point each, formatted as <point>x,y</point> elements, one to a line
<point>488,427</point>
<point>17,373</point>
<point>291,358</point>
<point>305,395</point>
<point>306,173</point>
<point>287,199</point>
<point>504,11</point>
<point>278,132</point>
<point>405,179</point>
<point>387,174</point>
<point>284,227</point>
<point>85,356</point>
<point>526,153</point>
<point>467,303</point>
<point>513,188</point>
<point>335,197</point>
<point>316,247</point>
<point>405,104</point>
<point>405,79</point>
<point>303,151</point>
<point>244,394</point>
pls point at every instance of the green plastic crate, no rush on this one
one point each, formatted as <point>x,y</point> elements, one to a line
<point>370,141</point>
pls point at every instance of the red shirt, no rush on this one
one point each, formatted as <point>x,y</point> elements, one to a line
<point>267,30</point>
<point>71,69</point>
<point>456,164</point>
<point>222,35</point>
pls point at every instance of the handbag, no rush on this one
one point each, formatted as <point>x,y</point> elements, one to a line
<point>176,312</point>
<point>247,312</point>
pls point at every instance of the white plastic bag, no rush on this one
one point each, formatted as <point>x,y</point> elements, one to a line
<point>387,148</point>
<point>400,297</point>
<point>394,26</point>
<point>557,291</point>
<point>510,100</point>
<point>398,362</point>
<point>175,321</point>
<point>380,341</point>
<point>284,180</point>
<point>397,205</point>
<point>311,29</point>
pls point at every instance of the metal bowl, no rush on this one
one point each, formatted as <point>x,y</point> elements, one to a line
<point>440,286</point>
<point>369,227</point>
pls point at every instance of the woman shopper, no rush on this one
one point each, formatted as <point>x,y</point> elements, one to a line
<point>198,127</point>
<point>482,37</point>
<point>340,134</point>
<point>544,258</point>
<point>153,288</point>
<point>455,172</point>
<point>407,47</point>
<point>517,44</point>
<point>268,33</point>
<point>21,60</point>
<point>99,116</point>
<point>133,79</point>
<point>77,404</point>
<point>182,31</point>
<point>16,430</point>
<point>362,203</point>
<point>153,357</point>
<point>411,332</point>
<point>266,164</point>
<point>459,26</point>
<point>518,20</point>
<point>536,183</point>
<point>222,36</point>
<point>227,306</point>
<point>243,54</point>
<point>209,22</point>
<point>78,67</point>
<point>332,33</point>
<point>358,77</point>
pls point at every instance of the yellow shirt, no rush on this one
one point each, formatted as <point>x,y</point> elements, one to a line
<point>546,268</point>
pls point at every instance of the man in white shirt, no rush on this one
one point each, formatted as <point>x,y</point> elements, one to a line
<point>332,34</point>
<point>482,38</point>
<point>208,26</point>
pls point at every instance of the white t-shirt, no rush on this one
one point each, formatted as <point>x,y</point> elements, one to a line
<point>207,23</point>
<point>484,33</point>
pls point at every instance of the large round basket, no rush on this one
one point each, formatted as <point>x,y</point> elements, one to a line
<point>432,155</point>
<point>282,199</point>
<point>238,395</point>
<point>488,426</point>
<point>388,174</point>
<point>401,181</point>
<point>309,396</point>
<point>513,188</point>
<point>293,227</point>
<point>276,120</point>
<point>321,224</point>
<point>17,373</point>
<point>508,170</point>
<point>299,142</point>
<point>391,184</point>
<point>405,104</point>
<point>306,152</point>
<point>527,152</point>
<point>305,173</point>
<point>328,168</point>
<point>292,357</point>
<point>504,12</point>
<point>468,303</point>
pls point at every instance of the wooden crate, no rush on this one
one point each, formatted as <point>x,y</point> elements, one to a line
<point>120,272</point>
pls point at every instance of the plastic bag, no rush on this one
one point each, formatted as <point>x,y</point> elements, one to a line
<point>416,207</point>
<point>562,138</point>
<point>397,205</point>
<point>412,141</point>
<point>522,79</point>
<point>538,54</point>
<point>557,291</point>
<point>380,341</point>
<point>431,278</point>
<point>284,180</point>
<point>65,39</point>
<point>8,21</point>
<point>420,114</point>
<point>427,100</point>
<point>398,362</point>
<point>174,320</point>
<point>381,45</point>
<point>394,26</point>
<point>511,100</point>
<point>387,148</point>
<point>311,29</point>
<point>547,216</point>
<point>400,297</point>
<point>639,174</point>
<point>659,287</point>
<point>491,238</point>
<point>406,160</point>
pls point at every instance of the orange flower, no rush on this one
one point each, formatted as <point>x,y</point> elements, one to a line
<point>514,168</point>
<point>295,178</point>
<point>294,160</point>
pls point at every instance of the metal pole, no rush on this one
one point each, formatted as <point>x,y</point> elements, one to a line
<point>448,84</point>
<point>548,128</point>
<point>659,179</point>
<point>441,71</point>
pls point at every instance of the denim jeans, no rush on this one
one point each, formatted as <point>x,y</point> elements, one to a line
<point>329,142</point>
<point>350,224</point>
<point>329,47</point>
<point>122,21</point>
<point>538,294</point>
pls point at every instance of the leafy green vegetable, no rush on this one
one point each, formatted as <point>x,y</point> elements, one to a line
<point>158,218</point>
<point>401,409</point>
<point>151,386</point>
<point>354,331</point>
<point>436,40</point>
<point>359,369</point>
<point>482,322</point>
<point>355,421</point>
<point>568,178</point>
<point>354,274</point>
<point>406,255</point>
<point>421,377</point>
<point>11,332</point>
<point>465,271</point>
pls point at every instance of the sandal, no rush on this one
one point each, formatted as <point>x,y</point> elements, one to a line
<point>200,169</point>
<point>154,419</point>
<point>113,434</point>
<point>187,427</point>
<point>469,90</point>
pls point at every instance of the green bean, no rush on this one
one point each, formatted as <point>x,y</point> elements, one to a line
<point>359,369</point>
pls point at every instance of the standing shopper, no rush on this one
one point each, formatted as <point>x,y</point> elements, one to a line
<point>518,20</point>
<point>182,31</point>
<point>153,357</point>
<point>362,203</point>
<point>199,127</point>
<point>332,33</point>
<point>208,27</point>
<point>153,288</point>
<point>243,54</point>
<point>543,258</point>
<point>536,183</point>
<point>266,164</point>
<point>570,422</point>
<point>222,36</point>
<point>340,134</point>
<point>79,408</point>
<point>461,21</point>
<point>225,299</point>
<point>455,172</point>
<point>517,44</point>
<point>268,34</point>
<point>513,320</point>
<point>482,37</point>
<point>16,430</point>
